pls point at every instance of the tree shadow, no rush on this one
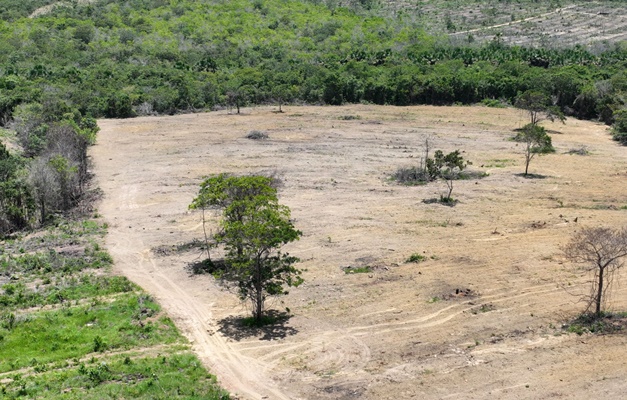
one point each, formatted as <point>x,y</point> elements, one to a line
<point>274,326</point>
<point>449,203</point>
<point>206,266</point>
<point>532,176</point>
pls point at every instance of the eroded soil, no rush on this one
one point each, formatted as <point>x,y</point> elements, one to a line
<point>480,317</point>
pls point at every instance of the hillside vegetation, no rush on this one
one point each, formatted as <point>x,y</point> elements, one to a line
<point>119,59</point>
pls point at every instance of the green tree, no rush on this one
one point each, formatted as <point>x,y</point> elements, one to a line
<point>536,141</point>
<point>601,250</point>
<point>539,107</point>
<point>253,229</point>
<point>253,232</point>
<point>447,167</point>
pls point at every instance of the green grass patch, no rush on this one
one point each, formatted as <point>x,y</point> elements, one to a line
<point>357,270</point>
<point>499,163</point>
<point>607,322</point>
<point>89,315</point>
<point>349,117</point>
<point>18,295</point>
<point>72,332</point>
<point>175,376</point>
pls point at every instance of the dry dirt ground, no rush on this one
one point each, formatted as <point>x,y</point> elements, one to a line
<point>402,331</point>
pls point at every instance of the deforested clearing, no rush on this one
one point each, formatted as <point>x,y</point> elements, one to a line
<point>480,315</point>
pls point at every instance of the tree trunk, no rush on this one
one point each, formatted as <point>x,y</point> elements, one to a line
<point>450,189</point>
<point>599,295</point>
<point>204,230</point>
<point>258,292</point>
<point>42,204</point>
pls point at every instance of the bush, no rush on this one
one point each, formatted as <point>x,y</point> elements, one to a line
<point>619,129</point>
<point>411,176</point>
<point>494,103</point>
<point>415,258</point>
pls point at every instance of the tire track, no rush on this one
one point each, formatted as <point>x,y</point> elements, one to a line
<point>431,320</point>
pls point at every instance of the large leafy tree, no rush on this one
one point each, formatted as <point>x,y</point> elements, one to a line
<point>253,229</point>
<point>222,191</point>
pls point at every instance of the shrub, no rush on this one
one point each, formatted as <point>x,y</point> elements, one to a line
<point>415,258</point>
<point>619,129</point>
<point>411,176</point>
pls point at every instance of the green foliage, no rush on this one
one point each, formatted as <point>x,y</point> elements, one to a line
<point>221,191</point>
<point>538,105</point>
<point>254,227</point>
<point>619,129</point>
<point>119,60</point>
<point>358,270</point>
<point>415,258</point>
<point>603,323</point>
<point>447,167</point>
<point>173,376</point>
<point>536,141</point>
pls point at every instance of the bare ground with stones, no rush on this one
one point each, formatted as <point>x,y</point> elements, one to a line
<point>479,318</point>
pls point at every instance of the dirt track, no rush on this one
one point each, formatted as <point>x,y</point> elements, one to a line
<point>401,331</point>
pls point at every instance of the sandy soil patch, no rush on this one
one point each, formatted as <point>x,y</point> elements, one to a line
<point>480,318</point>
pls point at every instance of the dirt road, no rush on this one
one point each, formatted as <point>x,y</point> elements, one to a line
<point>480,317</point>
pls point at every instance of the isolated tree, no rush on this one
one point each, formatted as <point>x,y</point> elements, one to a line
<point>539,107</point>
<point>447,167</point>
<point>253,232</point>
<point>602,251</point>
<point>536,141</point>
<point>253,228</point>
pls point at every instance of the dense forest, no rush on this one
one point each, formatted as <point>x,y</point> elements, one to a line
<point>81,60</point>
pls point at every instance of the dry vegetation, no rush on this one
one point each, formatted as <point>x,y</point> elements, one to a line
<point>479,315</point>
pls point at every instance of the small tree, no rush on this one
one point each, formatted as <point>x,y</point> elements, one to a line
<point>282,93</point>
<point>536,141</point>
<point>539,107</point>
<point>602,251</point>
<point>447,167</point>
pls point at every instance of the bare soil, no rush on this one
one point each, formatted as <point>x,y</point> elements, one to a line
<point>480,318</point>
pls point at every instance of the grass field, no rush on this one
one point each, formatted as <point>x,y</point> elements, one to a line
<point>70,329</point>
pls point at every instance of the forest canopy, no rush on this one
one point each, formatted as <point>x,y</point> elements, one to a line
<point>120,59</point>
